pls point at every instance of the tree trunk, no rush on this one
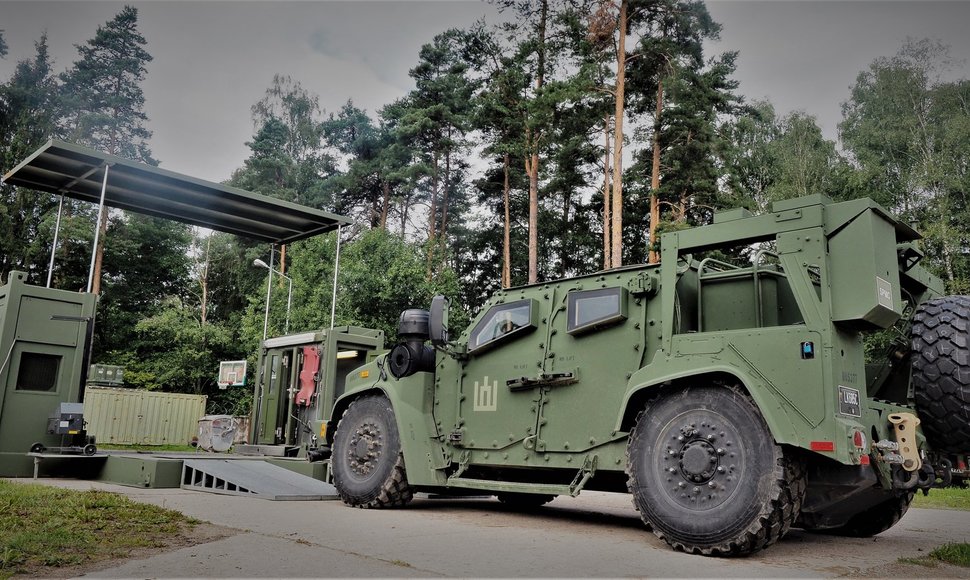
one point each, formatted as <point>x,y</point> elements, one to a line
<point>99,253</point>
<point>405,209</point>
<point>204,281</point>
<point>616,230</point>
<point>532,160</point>
<point>387,200</point>
<point>103,226</point>
<point>446,191</point>
<point>506,241</point>
<point>532,170</point>
<point>433,218</point>
<point>607,261</point>
<point>655,177</point>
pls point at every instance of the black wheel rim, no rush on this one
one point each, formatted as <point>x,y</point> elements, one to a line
<point>365,449</point>
<point>699,461</point>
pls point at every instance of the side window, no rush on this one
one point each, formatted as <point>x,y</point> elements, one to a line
<point>501,321</point>
<point>595,309</point>
<point>38,372</point>
<point>274,362</point>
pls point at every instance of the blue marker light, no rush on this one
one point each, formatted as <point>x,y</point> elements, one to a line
<point>808,350</point>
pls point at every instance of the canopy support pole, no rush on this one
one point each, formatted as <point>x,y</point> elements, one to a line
<point>97,228</point>
<point>269,288</point>
<point>57,231</point>
<point>336,268</point>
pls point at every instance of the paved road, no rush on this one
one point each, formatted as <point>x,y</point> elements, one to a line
<point>596,535</point>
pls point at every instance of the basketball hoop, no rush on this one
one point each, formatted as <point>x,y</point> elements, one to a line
<point>231,374</point>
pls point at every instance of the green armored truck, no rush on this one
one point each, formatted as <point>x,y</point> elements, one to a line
<point>726,389</point>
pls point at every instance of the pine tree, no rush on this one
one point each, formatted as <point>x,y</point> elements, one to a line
<point>104,103</point>
<point>28,105</point>
<point>103,94</point>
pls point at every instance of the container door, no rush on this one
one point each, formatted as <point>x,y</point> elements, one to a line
<point>269,400</point>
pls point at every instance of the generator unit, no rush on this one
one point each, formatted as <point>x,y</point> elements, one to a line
<point>67,422</point>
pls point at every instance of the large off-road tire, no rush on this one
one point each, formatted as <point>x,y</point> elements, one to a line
<point>706,475</point>
<point>874,520</point>
<point>524,501</point>
<point>941,371</point>
<point>367,462</point>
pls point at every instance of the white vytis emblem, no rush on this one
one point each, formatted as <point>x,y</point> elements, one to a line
<point>485,393</point>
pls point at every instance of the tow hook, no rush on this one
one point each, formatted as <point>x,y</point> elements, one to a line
<point>904,427</point>
<point>903,479</point>
<point>903,456</point>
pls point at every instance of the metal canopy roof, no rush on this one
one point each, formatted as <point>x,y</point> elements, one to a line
<point>75,171</point>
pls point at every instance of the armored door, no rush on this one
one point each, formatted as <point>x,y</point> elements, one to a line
<point>494,413</point>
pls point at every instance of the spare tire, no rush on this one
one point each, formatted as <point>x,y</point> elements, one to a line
<point>941,371</point>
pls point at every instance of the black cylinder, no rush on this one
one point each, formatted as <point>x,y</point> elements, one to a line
<point>410,357</point>
<point>414,324</point>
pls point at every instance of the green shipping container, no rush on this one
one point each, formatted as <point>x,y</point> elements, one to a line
<point>137,417</point>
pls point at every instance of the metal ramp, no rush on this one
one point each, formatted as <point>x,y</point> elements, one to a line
<point>253,479</point>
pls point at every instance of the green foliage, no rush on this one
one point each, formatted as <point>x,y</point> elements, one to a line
<point>955,498</point>
<point>28,105</point>
<point>135,287</point>
<point>380,276</point>
<point>102,98</point>
<point>287,161</point>
<point>956,554</point>
<point>909,138</point>
<point>45,527</point>
<point>175,352</point>
<point>776,158</point>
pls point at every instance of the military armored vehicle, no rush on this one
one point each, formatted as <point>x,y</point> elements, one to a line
<point>726,388</point>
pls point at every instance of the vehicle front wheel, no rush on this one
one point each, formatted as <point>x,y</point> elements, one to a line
<point>367,461</point>
<point>706,475</point>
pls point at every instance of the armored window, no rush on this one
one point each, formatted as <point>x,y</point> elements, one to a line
<point>38,372</point>
<point>595,309</point>
<point>501,321</point>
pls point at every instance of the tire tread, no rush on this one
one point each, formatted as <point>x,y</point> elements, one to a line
<point>941,371</point>
<point>772,524</point>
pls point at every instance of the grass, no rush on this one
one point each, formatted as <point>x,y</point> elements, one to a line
<point>951,498</point>
<point>43,527</point>
<point>953,554</point>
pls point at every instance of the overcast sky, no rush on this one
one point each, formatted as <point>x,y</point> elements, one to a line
<point>213,60</point>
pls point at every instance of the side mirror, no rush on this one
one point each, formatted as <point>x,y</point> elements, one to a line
<point>439,321</point>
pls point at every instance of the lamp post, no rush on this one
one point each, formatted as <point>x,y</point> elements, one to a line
<point>289,295</point>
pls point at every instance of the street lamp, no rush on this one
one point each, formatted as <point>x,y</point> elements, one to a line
<point>289,295</point>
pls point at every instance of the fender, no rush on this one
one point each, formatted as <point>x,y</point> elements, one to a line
<point>412,399</point>
<point>646,382</point>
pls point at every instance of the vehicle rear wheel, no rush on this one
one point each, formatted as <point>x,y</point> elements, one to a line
<point>367,461</point>
<point>874,520</point>
<point>941,371</point>
<point>706,475</point>
<point>524,501</point>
